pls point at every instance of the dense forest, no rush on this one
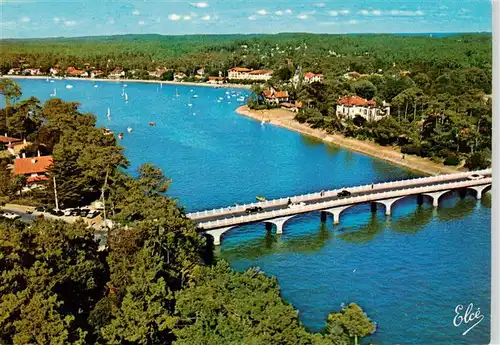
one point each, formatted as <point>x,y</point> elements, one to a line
<point>156,282</point>
<point>438,86</point>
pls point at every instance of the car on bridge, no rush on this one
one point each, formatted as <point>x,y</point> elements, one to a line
<point>296,204</point>
<point>254,209</point>
<point>343,193</point>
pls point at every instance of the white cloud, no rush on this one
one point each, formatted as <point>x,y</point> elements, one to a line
<point>364,12</point>
<point>278,13</point>
<point>252,17</point>
<point>174,17</point>
<point>199,4</point>
<point>352,22</point>
<point>302,16</point>
<point>193,15</point>
<point>288,11</point>
<point>56,19</point>
<point>136,12</point>
<point>207,17</point>
<point>111,20</point>
<point>25,19</point>
<point>345,12</point>
<point>333,13</point>
<point>8,24</point>
<point>377,12</point>
<point>141,22</point>
<point>320,4</point>
<point>69,23</point>
<point>187,18</point>
<point>262,12</point>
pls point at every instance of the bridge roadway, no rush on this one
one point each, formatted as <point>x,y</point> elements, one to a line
<point>216,222</point>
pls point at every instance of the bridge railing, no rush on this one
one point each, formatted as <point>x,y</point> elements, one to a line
<point>330,193</point>
<point>340,202</point>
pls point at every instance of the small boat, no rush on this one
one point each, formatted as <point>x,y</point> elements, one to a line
<point>120,135</point>
<point>129,129</point>
<point>53,94</point>
<point>123,92</point>
<point>109,114</point>
<point>96,85</point>
<point>161,85</point>
<point>47,79</point>
<point>195,96</point>
<point>241,99</point>
<point>126,97</point>
<point>69,86</point>
<point>177,93</point>
<point>191,90</point>
<point>262,123</point>
<point>152,124</point>
<point>124,85</point>
<point>260,198</point>
<point>107,131</point>
<point>52,81</point>
<point>190,105</point>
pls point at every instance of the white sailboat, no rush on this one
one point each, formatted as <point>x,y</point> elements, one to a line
<point>176,93</point>
<point>262,123</point>
<point>195,96</point>
<point>126,97</point>
<point>123,92</point>
<point>69,86</point>
<point>129,129</point>
<point>96,85</point>
<point>161,85</point>
<point>53,94</point>
<point>109,114</point>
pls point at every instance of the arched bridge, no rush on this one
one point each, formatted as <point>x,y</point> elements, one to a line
<point>218,221</point>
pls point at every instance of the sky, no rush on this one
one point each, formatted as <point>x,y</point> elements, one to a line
<point>70,18</point>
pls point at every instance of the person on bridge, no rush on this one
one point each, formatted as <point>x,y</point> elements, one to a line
<point>372,185</point>
<point>322,193</point>
<point>289,201</point>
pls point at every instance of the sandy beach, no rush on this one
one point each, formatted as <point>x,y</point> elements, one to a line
<point>285,118</point>
<point>164,82</point>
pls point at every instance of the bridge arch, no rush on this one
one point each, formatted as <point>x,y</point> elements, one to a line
<point>336,211</point>
<point>388,204</point>
<point>217,234</point>
<point>480,190</point>
<point>278,222</point>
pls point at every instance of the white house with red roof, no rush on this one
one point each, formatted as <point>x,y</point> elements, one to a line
<point>352,106</point>
<point>242,73</point>
<point>311,77</point>
<point>33,168</point>
<point>275,96</point>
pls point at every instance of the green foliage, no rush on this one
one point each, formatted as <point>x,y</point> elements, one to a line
<point>451,159</point>
<point>365,88</point>
<point>478,160</point>
<point>351,322</point>
<point>222,306</point>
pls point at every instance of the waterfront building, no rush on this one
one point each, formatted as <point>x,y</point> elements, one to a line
<point>74,72</point>
<point>32,71</point>
<point>14,71</point>
<point>158,72</point>
<point>352,106</point>
<point>241,73</point>
<point>273,96</point>
<point>117,73</point>
<point>96,73</point>
<point>352,75</point>
<point>295,107</point>
<point>34,169</point>
<point>179,76</point>
<point>215,80</point>
<point>54,71</point>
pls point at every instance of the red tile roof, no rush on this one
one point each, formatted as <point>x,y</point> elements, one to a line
<point>271,93</point>
<point>33,165</point>
<point>6,140</point>
<point>261,71</point>
<point>37,179</point>
<point>74,71</point>
<point>240,69</point>
<point>356,100</point>
<point>309,75</point>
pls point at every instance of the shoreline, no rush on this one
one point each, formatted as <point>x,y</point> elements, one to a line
<point>148,81</point>
<point>285,119</point>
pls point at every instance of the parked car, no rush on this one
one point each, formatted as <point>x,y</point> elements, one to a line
<point>343,193</point>
<point>75,212</point>
<point>93,214</point>
<point>68,212</point>
<point>296,204</point>
<point>475,177</point>
<point>84,212</point>
<point>56,212</point>
<point>253,209</point>
<point>10,215</point>
<point>41,209</point>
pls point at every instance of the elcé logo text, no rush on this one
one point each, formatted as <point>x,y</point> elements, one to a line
<point>469,316</point>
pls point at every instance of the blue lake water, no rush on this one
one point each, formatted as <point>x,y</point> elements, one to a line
<point>408,271</point>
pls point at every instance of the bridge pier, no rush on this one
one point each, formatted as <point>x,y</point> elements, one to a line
<point>335,212</point>
<point>435,196</point>
<point>279,222</point>
<point>217,234</point>
<point>388,204</point>
<point>479,190</point>
<point>420,199</point>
